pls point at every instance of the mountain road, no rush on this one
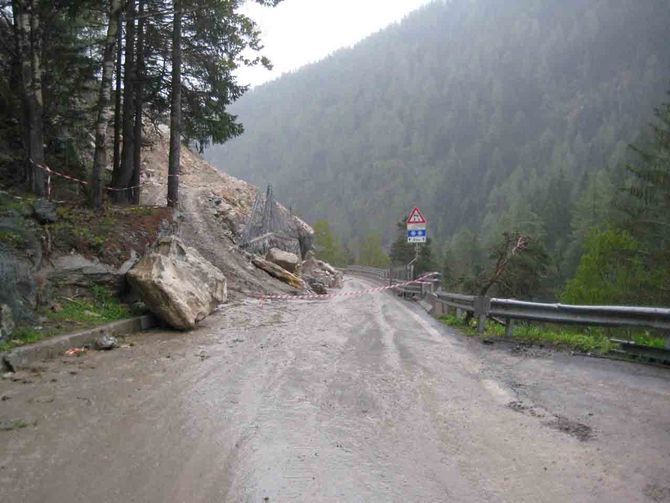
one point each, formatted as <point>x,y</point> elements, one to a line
<point>350,399</point>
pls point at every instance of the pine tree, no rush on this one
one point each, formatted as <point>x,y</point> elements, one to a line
<point>100,156</point>
<point>327,246</point>
<point>371,252</point>
<point>402,252</point>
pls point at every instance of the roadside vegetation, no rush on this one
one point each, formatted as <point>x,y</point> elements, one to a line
<point>69,315</point>
<point>585,340</point>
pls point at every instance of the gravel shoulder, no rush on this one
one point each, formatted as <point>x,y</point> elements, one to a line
<point>354,399</point>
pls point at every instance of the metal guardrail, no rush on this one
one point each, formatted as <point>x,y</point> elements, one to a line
<point>510,310</point>
<point>373,272</point>
<point>394,276</point>
<point>608,316</point>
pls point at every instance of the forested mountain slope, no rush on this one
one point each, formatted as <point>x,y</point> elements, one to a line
<point>486,113</point>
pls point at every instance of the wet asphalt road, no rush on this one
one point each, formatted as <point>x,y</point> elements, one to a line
<point>354,399</point>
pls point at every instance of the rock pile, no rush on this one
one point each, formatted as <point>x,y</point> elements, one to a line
<point>315,271</point>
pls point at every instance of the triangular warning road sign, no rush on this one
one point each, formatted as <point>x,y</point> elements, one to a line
<point>416,217</point>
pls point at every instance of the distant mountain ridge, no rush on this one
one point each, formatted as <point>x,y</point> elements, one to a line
<point>478,111</point>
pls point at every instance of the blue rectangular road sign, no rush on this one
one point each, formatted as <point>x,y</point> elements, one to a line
<point>416,233</point>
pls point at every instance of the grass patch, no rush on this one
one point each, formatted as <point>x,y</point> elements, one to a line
<point>12,237</point>
<point>588,340</point>
<point>74,314</point>
<point>24,335</point>
<point>12,424</point>
<point>647,339</point>
<point>102,308</point>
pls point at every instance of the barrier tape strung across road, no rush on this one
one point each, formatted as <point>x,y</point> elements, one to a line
<point>356,293</point>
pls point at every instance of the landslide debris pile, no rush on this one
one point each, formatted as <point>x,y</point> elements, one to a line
<point>237,227</point>
<point>183,263</point>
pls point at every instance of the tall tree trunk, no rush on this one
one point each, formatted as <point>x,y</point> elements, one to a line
<point>121,178</point>
<point>117,97</point>
<point>29,39</point>
<point>139,96</point>
<point>36,104</point>
<point>175,110</point>
<point>23,174</point>
<point>100,156</point>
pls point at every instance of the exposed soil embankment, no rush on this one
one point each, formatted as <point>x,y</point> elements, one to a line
<point>213,210</point>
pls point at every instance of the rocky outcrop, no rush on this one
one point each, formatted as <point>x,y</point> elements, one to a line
<point>178,284</point>
<point>6,322</point>
<point>45,211</point>
<point>20,259</point>
<point>284,259</point>
<point>74,275</point>
<point>315,269</point>
<point>279,272</point>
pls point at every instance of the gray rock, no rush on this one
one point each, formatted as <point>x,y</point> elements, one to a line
<point>45,211</point>
<point>106,342</point>
<point>316,285</point>
<point>178,284</point>
<point>283,259</point>
<point>18,285</point>
<point>279,272</point>
<point>6,322</point>
<point>128,264</point>
<point>74,274</point>
<point>323,271</point>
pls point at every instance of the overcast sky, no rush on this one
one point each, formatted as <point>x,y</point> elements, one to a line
<point>298,32</point>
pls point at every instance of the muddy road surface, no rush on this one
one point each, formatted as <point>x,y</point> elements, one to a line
<point>353,399</point>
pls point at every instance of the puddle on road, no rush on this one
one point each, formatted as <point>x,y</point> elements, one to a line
<point>580,431</point>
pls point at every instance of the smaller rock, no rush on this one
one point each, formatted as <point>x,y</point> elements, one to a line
<point>45,211</point>
<point>316,285</point>
<point>106,342</point>
<point>323,271</point>
<point>283,259</point>
<point>279,272</point>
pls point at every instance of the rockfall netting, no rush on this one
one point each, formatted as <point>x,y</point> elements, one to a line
<point>270,225</point>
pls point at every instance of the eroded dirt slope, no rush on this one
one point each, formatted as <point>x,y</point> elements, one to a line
<point>213,208</point>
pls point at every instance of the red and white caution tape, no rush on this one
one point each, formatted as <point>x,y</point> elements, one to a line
<point>356,293</point>
<point>50,172</point>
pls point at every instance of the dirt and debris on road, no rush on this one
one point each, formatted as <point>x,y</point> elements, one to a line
<point>355,399</point>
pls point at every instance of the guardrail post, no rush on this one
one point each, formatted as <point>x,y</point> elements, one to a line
<point>509,327</point>
<point>438,307</point>
<point>482,306</point>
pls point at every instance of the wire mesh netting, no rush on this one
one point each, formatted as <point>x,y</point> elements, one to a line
<point>272,226</point>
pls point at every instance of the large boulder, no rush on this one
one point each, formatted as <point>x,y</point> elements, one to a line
<point>178,284</point>
<point>313,268</point>
<point>279,272</point>
<point>284,259</point>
